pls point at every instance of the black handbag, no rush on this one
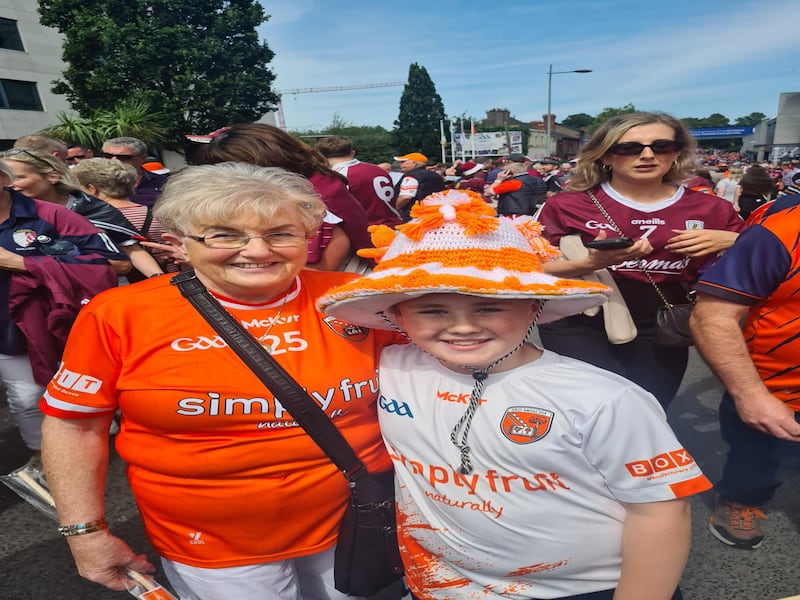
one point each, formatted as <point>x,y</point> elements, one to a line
<point>672,325</point>
<point>672,320</point>
<point>367,556</point>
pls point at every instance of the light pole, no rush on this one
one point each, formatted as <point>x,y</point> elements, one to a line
<point>550,74</point>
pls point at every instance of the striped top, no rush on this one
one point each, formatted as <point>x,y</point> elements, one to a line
<point>137,215</point>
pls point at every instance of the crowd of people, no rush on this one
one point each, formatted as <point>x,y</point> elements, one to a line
<point>381,288</point>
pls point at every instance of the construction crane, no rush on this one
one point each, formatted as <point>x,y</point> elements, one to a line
<point>336,88</point>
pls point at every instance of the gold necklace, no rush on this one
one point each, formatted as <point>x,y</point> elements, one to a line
<point>261,340</point>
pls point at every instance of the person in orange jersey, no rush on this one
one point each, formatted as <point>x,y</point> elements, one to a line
<point>519,473</point>
<point>236,498</point>
<point>746,328</point>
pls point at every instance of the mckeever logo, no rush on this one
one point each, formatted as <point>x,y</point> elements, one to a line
<point>401,409</point>
<point>346,330</point>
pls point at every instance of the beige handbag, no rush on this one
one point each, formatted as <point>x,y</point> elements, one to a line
<point>619,325</point>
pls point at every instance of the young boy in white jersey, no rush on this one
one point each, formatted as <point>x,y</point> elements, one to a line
<point>519,473</point>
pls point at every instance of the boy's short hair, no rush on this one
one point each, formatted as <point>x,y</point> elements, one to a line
<point>335,146</point>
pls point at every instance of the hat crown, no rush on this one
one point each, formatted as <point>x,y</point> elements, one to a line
<point>455,243</point>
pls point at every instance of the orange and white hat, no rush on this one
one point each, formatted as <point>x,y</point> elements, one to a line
<point>155,166</point>
<point>455,243</point>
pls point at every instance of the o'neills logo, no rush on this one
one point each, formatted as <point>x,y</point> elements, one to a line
<point>525,424</point>
<point>346,330</point>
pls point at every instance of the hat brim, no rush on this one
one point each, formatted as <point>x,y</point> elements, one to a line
<point>473,170</point>
<point>365,308</point>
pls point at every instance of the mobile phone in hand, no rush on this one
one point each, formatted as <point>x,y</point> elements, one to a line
<point>610,244</point>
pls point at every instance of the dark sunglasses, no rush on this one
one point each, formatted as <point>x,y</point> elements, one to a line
<point>636,148</point>
<point>76,157</point>
<point>122,157</point>
<point>18,151</point>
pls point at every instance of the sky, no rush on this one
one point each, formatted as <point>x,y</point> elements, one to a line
<point>690,58</point>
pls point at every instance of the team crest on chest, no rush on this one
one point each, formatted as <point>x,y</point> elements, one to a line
<point>525,424</point>
<point>691,224</point>
<point>346,330</point>
<point>24,237</point>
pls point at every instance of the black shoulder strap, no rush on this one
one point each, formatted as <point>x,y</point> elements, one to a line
<point>148,219</point>
<point>294,398</point>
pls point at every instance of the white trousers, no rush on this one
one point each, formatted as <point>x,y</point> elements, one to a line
<point>23,395</point>
<point>301,578</point>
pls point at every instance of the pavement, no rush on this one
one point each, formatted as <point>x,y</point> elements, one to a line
<point>35,562</point>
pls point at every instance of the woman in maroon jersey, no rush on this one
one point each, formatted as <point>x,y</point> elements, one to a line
<point>627,183</point>
<point>345,228</point>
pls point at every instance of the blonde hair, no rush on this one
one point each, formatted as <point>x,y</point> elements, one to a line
<point>6,170</point>
<point>113,178</point>
<point>735,173</point>
<point>217,194</point>
<point>44,164</point>
<point>589,171</point>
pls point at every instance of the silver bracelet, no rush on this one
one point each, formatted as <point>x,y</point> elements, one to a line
<point>82,528</point>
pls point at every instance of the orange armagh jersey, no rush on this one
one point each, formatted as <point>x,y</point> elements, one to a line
<point>222,474</point>
<point>762,271</point>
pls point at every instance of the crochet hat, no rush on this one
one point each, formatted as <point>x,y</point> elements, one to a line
<point>455,243</point>
<point>415,156</point>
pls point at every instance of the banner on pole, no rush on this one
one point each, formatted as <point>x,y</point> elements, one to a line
<point>488,143</point>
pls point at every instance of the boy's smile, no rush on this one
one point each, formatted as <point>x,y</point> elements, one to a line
<point>470,331</point>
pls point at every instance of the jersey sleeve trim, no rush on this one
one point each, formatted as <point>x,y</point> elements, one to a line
<point>726,293</point>
<point>698,484</point>
<point>60,408</point>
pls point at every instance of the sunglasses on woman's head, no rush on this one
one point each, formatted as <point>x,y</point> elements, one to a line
<point>636,148</point>
<point>19,151</point>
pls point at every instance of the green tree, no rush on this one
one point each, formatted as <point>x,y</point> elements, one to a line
<point>578,121</point>
<point>417,126</point>
<point>751,120</point>
<point>130,117</point>
<point>373,144</point>
<point>693,122</point>
<point>716,120</point>
<point>609,112</point>
<point>200,62</point>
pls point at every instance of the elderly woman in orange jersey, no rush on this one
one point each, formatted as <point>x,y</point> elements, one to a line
<point>236,498</point>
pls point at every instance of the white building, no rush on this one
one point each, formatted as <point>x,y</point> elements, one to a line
<point>30,59</point>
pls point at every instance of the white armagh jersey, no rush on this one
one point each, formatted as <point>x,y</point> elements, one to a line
<point>556,447</point>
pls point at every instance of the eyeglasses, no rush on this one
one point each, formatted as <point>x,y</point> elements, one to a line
<point>75,157</point>
<point>232,241</point>
<point>18,151</point>
<point>636,148</point>
<point>122,157</point>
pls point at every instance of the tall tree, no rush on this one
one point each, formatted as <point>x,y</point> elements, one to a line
<point>199,62</point>
<point>417,126</point>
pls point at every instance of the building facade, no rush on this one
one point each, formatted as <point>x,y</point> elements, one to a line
<point>777,139</point>
<point>30,59</point>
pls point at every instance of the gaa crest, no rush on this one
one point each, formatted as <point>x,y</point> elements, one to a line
<point>525,424</point>
<point>694,225</point>
<point>24,237</point>
<point>346,330</point>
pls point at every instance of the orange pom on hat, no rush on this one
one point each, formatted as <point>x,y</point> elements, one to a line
<point>455,243</point>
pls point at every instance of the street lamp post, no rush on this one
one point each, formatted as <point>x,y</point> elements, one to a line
<point>550,74</point>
